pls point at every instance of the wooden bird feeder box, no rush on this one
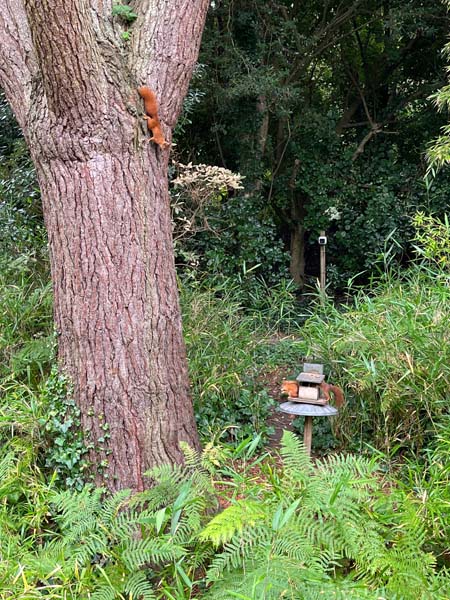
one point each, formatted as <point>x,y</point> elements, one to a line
<point>309,385</point>
<point>306,400</point>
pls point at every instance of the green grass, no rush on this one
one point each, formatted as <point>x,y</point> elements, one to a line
<point>224,345</point>
<point>27,345</point>
<point>389,348</point>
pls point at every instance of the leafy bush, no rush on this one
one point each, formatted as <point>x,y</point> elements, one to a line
<point>26,329</point>
<point>243,236</point>
<point>41,427</point>
<point>105,547</point>
<point>433,238</point>
<point>222,343</point>
<point>431,485</point>
<point>63,448</point>
<point>324,530</point>
<point>21,221</point>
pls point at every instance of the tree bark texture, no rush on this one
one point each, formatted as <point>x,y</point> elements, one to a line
<point>106,207</point>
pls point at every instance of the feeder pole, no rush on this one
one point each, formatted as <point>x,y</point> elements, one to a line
<point>307,434</point>
<point>322,243</point>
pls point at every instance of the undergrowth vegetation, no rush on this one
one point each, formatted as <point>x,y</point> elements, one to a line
<point>390,348</point>
<point>298,530</point>
<point>229,347</point>
<point>26,330</point>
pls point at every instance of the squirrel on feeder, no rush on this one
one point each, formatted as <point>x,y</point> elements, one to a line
<point>326,388</point>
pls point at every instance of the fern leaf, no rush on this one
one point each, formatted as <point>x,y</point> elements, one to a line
<point>245,513</point>
<point>112,506</point>
<point>142,552</point>
<point>238,552</point>
<point>293,544</point>
<point>192,458</point>
<point>297,463</point>
<point>127,523</point>
<point>76,508</point>
<point>104,592</point>
<point>6,465</point>
<point>138,587</point>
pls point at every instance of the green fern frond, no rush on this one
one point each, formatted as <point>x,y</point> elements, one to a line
<point>167,474</point>
<point>87,548</point>
<point>297,464</point>
<point>353,474</point>
<point>138,587</point>
<point>76,508</point>
<point>199,466</point>
<point>233,520</point>
<point>167,481</point>
<point>293,544</point>
<point>358,465</point>
<point>190,521</point>
<point>139,553</point>
<point>267,577</point>
<point>7,464</point>
<point>112,506</point>
<point>104,592</point>
<point>127,523</point>
<point>237,552</point>
<point>192,458</point>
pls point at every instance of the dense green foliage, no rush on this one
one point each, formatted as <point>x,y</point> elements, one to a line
<point>26,338</point>
<point>321,530</point>
<point>323,108</point>
<point>299,529</point>
<point>389,347</point>
<point>229,349</point>
<point>21,227</point>
<point>439,152</point>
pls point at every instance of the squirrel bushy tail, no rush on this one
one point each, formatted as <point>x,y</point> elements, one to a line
<point>337,392</point>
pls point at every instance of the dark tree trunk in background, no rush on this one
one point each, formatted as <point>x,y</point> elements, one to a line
<point>72,84</point>
<point>297,253</point>
<point>297,229</point>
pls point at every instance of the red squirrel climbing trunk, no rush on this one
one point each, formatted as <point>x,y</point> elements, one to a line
<point>151,116</point>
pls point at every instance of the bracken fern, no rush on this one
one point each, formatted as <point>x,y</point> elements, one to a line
<point>119,546</point>
<point>323,530</point>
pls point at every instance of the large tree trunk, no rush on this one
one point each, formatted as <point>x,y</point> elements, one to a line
<point>116,307</point>
<point>297,229</point>
<point>106,207</point>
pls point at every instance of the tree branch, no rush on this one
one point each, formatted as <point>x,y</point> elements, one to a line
<point>18,66</point>
<point>173,47</point>
<point>322,39</point>
<point>376,128</point>
<point>68,54</point>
